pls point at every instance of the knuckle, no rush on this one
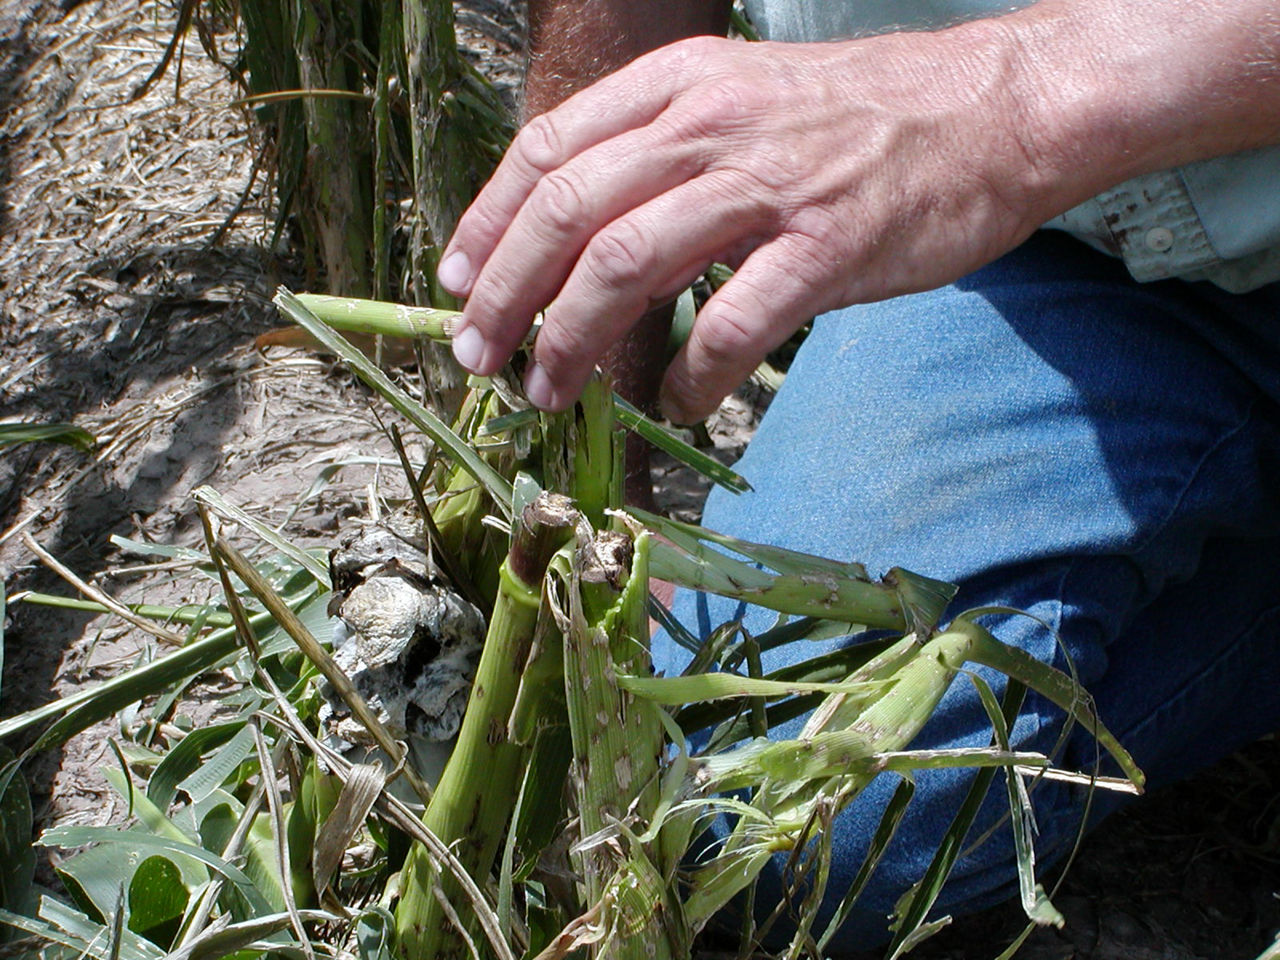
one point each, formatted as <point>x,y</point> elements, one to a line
<point>560,347</point>
<point>678,399</point>
<point>494,293</point>
<point>558,202</point>
<point>771,179</point>
<point>717,108</point>
<point>693,52</point>
<point>820,246</point>
<point>480,220</point>
<point>538,144</point>
<point>622,255</point>
<point>725,334</point>
<point>689,395</point>
<point>819,226</point>
<point>735,100</point>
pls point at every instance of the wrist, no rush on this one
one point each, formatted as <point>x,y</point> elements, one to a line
<point>1100,92</point>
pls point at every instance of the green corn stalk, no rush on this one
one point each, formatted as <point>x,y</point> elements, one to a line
<point>380,317</point>
<point>841,750</point>
<point>582,452</point>
<point>604,578</point>
<point>603,582</point>
<point>887,724</point>
<point>473,802</point>
<point>804,585</point>
<point>462,504</point>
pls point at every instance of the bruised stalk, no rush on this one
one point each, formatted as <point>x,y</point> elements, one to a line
<point>473,801</point>
<point>803,585</point>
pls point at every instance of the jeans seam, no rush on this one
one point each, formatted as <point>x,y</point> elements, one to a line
<point>1214,666</point>
<point>1159,528</point>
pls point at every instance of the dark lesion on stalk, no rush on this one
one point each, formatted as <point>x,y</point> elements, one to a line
<point>538,534</point>
<point>497,732</point>
<point>607,559</point>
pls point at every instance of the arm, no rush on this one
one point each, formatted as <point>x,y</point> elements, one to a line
<point>837,173</point>
<point>573,43</point>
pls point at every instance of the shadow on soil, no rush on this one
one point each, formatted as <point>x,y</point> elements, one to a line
<point>17,52</point>
<point>170,314</point>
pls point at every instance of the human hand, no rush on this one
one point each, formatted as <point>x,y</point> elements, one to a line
<point>827,174</point>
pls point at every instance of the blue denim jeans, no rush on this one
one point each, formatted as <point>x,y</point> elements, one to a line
<point>1052,436</point>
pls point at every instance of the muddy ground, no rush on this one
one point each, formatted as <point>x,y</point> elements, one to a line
<point>135,273</point>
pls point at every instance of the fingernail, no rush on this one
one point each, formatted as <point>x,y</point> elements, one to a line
<point>537,387</point>
<point>673,412</point>
<point>468,348</point>
<point>454,273</point>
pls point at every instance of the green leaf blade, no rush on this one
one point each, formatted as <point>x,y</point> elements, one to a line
<point>498,488</point>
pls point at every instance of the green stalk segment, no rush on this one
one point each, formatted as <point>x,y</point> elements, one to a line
<point>582,452</point>
<point>474,799</point>
<point>803,585</point>
<point>795,777</point>
<point>377,316</point>
<point>617,745</point>
<point>1050,683</point>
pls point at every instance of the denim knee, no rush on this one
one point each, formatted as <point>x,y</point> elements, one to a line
<point>1053,437</point>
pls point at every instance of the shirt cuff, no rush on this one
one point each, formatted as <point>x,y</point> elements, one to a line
<point>1150,222</point>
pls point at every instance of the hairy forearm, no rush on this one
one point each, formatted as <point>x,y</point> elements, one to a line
<point>573,43</point>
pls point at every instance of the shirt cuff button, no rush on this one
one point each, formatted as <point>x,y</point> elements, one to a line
<point>1159,239</point>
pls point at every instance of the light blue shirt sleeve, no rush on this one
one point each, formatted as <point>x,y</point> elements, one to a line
<point>1217,220</point>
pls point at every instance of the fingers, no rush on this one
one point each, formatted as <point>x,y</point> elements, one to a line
<point>623,101</point>
<point>564,210</point>
<point>629,266</point>
<point>767,300</point>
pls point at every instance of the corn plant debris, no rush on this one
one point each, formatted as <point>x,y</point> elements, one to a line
<point>130,302</point>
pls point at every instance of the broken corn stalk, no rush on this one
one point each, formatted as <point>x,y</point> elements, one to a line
<point>379,317</point>
<point>602,587</point>
<point>791,787</point>
<point>636,797</point>
<point>474,799</point>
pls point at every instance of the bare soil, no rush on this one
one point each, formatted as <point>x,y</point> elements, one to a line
<point>135,274</point>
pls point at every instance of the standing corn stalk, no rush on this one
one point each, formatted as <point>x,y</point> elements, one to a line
<point>374,103</point>
<point>618,740</point>
<point>456,126</point>
<point>473,801</point>
<point>336,185</point>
